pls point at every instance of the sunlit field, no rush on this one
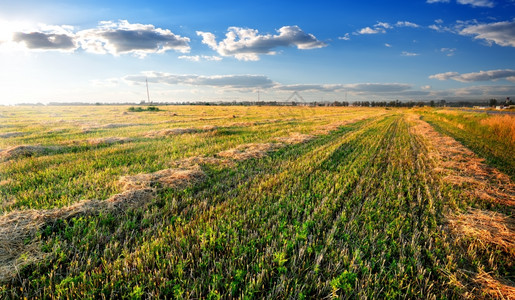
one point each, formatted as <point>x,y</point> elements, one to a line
<point>256,202</point>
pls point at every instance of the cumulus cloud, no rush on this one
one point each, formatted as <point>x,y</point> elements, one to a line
<point>379,27</point>
<point>368,30</point>
<point>501,33</point>
<point>388,45</point>
<point>198,58</point>
<point>477,3</point>
<point>491,75</point>
<point>220,81</point>
<point>248,44</point>
<point>123,37</point>
<point>382,27</point>
<point>45,37</point>
<point>110,37</point>
<point>46,41</point>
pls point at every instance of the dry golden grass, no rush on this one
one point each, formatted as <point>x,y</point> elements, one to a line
<point>295,138</point>
<point>174,178</point>
<point>487,226</point>
<point>18,227</point>
<point>171,131</point>
<point>108,141</point>
<point>5,181</point>
<point>326,129</point>
<point>461,167</point>
<point>495,288</point>
<point>464,167</point>
<point>25,150</point>
<point>248,151</point>
<point>502,126</point>
<point>202,160</point>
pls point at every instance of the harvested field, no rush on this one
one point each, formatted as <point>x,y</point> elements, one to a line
<point>286,203</point>
<point>462,168</point>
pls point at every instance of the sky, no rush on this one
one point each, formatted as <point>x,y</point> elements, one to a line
<point>103,51</point>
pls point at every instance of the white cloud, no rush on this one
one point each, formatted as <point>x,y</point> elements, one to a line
<point>384,25</point>
<point>435,27</point>
<point>198,58</point>
<point>406,24</point>
<point>477,3</point>
<point>480,91</point>
<point>123,37</point>
<point>491,75</point>
<point>379,27</point>
<point>444,76</point>
<point>220,81</point>
<point>448,51</point>
<point>111,37</point>
<point>248,44</point>
<point>426,87</point>
<point>368,30</point>
<point>438,26</point>
<point>388,45</point>
<point>346,37</point>
<point>406,53</point>
<point>437,1</point>
<point>501,33</point>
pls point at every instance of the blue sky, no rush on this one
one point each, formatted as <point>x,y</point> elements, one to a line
<point>103,51</point>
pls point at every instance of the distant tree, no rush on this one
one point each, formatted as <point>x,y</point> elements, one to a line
<point>493,102</point>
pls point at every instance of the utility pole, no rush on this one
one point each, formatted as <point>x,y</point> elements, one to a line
<point>148,94</point>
